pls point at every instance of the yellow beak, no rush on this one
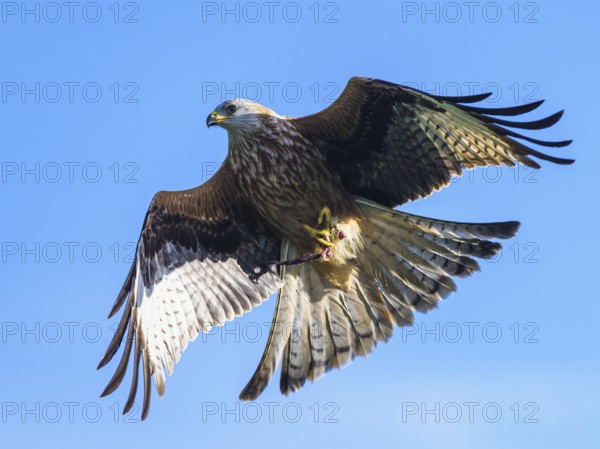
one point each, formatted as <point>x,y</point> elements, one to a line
<point>214,119</point>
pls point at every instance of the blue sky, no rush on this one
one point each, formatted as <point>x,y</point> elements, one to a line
<point>103,104</point>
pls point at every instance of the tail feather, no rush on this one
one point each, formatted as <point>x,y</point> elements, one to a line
<point>406,263</point>
<point>365,333</point>
<point>299,354</point>
<point>292,293</point>
<point>339,329</point>
<point>321,345</point>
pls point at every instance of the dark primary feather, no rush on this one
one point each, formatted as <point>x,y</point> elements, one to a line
<point>207,226</point>
<point>393,144</point>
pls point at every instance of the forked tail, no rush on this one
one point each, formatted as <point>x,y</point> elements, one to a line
<point>406,264</point>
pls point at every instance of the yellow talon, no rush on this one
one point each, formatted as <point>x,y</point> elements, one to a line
<point>325,214</point>
<point>326,235</point>
<point>316,233</point>
<point>325,243</point>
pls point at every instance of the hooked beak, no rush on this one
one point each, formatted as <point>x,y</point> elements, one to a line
<point>214,119</point>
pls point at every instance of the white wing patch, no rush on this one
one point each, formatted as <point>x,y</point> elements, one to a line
<point>188,300</point>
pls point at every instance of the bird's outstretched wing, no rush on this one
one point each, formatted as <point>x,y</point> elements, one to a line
<point>391,143</point>
<point>201,261</point>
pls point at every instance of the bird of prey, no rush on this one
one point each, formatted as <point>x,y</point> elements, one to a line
<point>305,207</point>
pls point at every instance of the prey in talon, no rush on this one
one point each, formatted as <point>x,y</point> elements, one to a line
<point>326,234</point>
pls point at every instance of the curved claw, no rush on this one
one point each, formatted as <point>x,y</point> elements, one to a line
<point>320,235</point>
<point>326,235</point>
<point>325,214</point>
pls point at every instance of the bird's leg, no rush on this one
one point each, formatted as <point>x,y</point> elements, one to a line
<point>326,234</point>
<point>325,215</point>
<point>323,234</point>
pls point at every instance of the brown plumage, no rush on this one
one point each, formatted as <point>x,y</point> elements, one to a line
<point>209,254</point>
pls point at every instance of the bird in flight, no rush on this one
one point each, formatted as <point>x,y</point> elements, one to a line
<point>305,207</point>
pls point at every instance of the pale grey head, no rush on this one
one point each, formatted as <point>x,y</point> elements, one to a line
<point>241,115</point>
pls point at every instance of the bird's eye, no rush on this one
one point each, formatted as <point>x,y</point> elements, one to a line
<point>231,108</point>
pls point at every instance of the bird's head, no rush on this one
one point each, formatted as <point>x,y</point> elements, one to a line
<point>239,115</point>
